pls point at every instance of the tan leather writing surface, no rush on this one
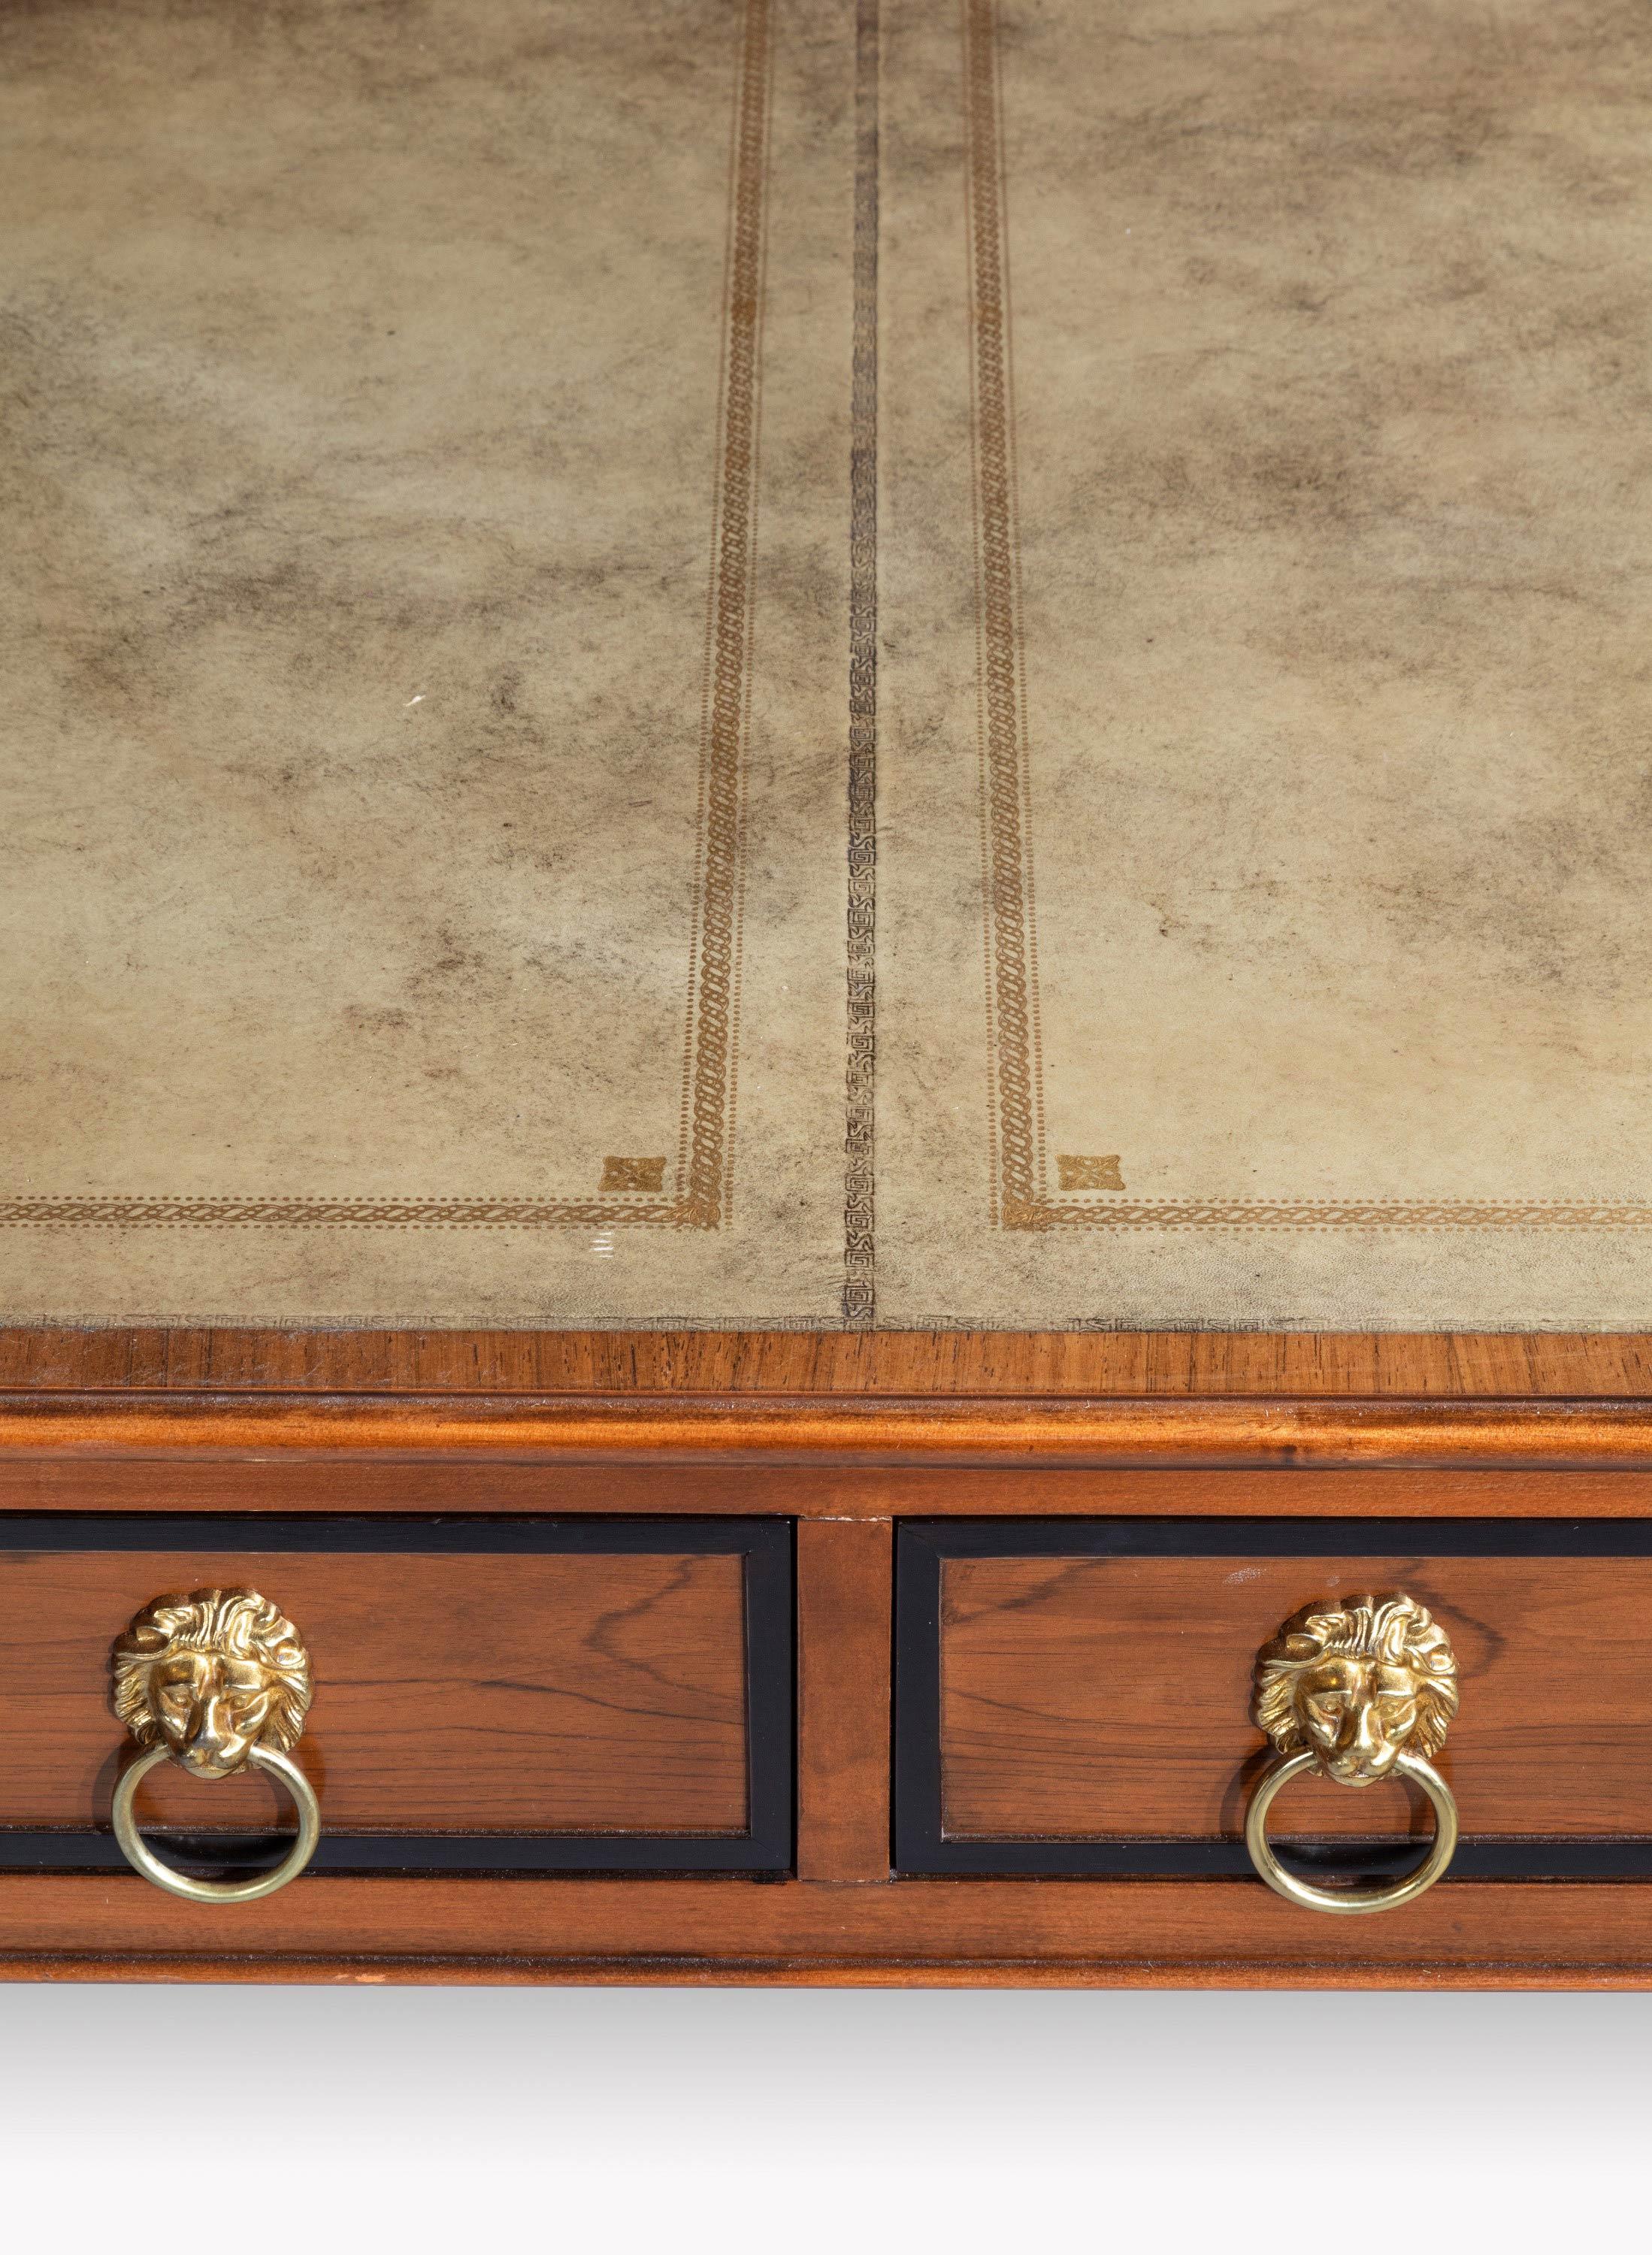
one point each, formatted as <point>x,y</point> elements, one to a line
<point>767,664</point>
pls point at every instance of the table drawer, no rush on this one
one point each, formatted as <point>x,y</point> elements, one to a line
<point>489,1695</point>
<point>1079,1697</point>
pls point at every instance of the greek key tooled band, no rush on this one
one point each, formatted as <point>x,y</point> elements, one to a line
<point>700,1200</point>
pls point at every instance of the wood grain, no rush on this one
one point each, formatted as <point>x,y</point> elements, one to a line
<point>997,1931</point>
<point>851,1427</point>
<point>184,1479</point>
<point>484,1970</point>
<point>844,1588</point>
<point>1448,1365</point>
<point>848,1431</point>
<point>566,1693</point>
<point>1107,1697</point>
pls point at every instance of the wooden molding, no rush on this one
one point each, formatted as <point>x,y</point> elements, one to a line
<point>1380,1365</point>
<point>846,1431</point>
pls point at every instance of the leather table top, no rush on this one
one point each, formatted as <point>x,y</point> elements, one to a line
<point>782,664</point>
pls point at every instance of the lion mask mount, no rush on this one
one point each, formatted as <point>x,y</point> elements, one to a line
<point>210,1675</point>
<point>1357,1683</point>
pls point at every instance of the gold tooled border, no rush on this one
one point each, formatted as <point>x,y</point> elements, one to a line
<point>1021,1197</point>
<point>860,1181</point>
<point>706,1135</point>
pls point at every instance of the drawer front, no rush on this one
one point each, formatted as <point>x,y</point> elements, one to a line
<point>534,1694</point>
<point>1077,1696</point>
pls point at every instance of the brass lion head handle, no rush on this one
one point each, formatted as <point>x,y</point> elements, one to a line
<point>1356,1692</point>
<point>211,1675</point>
<point>217,1681</point>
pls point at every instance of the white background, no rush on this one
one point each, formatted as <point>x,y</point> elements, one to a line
<point>284,2121</point>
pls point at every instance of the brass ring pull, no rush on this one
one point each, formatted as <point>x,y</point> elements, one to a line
<point>141,1856</point>
<point>218,1682</point>
<point>1356,1692</point>
<point>1347,1901</point>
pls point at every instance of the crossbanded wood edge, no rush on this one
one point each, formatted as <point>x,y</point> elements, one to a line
<point>1027,1433</point>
